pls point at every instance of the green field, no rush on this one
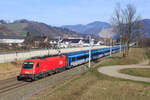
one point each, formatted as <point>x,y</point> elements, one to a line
<point>143,72</point>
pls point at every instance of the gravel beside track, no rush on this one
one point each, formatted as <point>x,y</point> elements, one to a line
<point>12,86</point>
<point>114,71</point>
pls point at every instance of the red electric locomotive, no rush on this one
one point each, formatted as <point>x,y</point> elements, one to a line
<point>33,69</point>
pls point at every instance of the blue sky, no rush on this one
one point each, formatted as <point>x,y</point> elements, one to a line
<point>67,12</point>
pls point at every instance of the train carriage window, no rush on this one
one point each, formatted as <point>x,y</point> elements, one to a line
<point>87,56</point>
<point>97,53</point>
<point>73,59</point>
<point>80,57</point>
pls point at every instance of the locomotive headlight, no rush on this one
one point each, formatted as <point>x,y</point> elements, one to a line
<point>26,72</point>
<point>33,71</point>
<point>60,62</point>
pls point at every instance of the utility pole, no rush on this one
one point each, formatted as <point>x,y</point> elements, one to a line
<point>120,43</point>
<point>89,51</point>
<point>16,53</point>
<point>110,47</point>
<point>48,51</point>
<point>58,46</point>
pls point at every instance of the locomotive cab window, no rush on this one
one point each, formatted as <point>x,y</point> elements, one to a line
<point>28,65</point>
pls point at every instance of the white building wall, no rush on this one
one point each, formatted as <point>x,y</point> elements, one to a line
<point>11,40</point>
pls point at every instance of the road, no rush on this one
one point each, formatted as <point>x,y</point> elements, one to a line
<point>24,55</point>
<point>114,71</point>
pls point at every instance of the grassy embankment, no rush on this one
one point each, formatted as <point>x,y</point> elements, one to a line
<point>10,69</point>
<point>148,54</point>
<point>143,72</point>
<point>92,85</point>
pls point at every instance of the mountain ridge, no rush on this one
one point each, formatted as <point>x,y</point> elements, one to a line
<point>90,28</point>
<point>103,29</point>
<point>19,28</point>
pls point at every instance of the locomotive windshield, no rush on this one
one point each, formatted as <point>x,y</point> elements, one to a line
<point>28,65</point>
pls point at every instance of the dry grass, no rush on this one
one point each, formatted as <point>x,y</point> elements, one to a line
<point>89,87</point>
<point>135,56</point>
<point>10,69</point>
<point>144,72</point>
<point>92,85</point>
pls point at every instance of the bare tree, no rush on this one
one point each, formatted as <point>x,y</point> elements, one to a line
<point>126,23</point>
<point>28,41</point>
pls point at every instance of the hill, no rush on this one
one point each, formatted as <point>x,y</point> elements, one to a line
<point>104,29</point>
<point>146,26</point>
<point>19,29</point>
<point>91,28</point>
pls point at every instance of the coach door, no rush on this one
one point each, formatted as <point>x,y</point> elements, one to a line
<point>37,68</point>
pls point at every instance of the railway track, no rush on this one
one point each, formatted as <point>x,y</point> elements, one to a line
<point>12,83</point>
<point>15,85</point>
